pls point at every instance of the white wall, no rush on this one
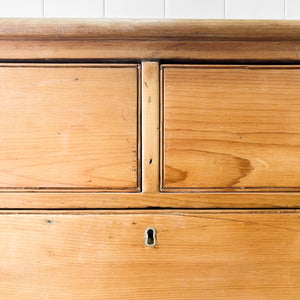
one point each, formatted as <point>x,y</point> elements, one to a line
<point>196,9</point>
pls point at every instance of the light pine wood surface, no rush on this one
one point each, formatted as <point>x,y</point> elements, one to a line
<point>231,128</point>
<point>44,39</point>
<point>150,197</point>
<point>150,126</point>
<point>90,199</point>
<point>102,255</point>
<point>188,50</point>
<point>95,136</point>
<point>69,126</point>
<point>149,29</point>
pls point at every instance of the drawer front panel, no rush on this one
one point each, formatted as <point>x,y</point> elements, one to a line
<point>231,128</point>
<point>199,255</point>
<point>69,126</point>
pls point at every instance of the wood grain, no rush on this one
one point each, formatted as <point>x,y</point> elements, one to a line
<point>95,50</point>
<point>159,29</point>
<point>92,200</point>
<point>53,39</point>
<point>69,126</point>
<point>150,127</point>
<point>231,128</point>
<point>102,255</point>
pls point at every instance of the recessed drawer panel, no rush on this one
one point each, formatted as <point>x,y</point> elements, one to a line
<point>69,126</point>
<point>103,255</point>
<point>230,128</point>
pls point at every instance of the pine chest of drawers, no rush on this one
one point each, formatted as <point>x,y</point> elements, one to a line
<point>149,159</point>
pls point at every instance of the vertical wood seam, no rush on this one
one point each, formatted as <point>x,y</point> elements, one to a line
<point>162,128</point>
<point>139,129</point>
<point>150,126</point>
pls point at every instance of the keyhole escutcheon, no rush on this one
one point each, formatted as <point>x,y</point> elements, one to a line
<point>150,237</point>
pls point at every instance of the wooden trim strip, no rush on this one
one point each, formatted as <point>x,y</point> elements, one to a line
<point>231,66</point>
<point>136,50</point>
<point>162,128</point>
<point>76,200</point>
<point>222,212</point>
<point>204,30</point>
<point>150,126</point>
<point>135,40</point>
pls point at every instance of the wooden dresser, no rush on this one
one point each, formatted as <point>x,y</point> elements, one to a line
<point>149,159</point>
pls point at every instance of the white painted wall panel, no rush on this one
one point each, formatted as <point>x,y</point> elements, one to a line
<point>255,9</point>
<point>73,8</point>
<point>182,9</point>
<point>195,9</point>
<point>293,9</point>
<point>21,8</point>
<point>134,8</point>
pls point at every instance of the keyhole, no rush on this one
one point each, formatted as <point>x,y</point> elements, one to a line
<point>150,237</point>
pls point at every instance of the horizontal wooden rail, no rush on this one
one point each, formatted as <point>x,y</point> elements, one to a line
<point>235,30</point>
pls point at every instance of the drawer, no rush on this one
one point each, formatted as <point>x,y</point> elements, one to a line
<point>102,255</point>
<point>230,128</point>
<point>69,126</point>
